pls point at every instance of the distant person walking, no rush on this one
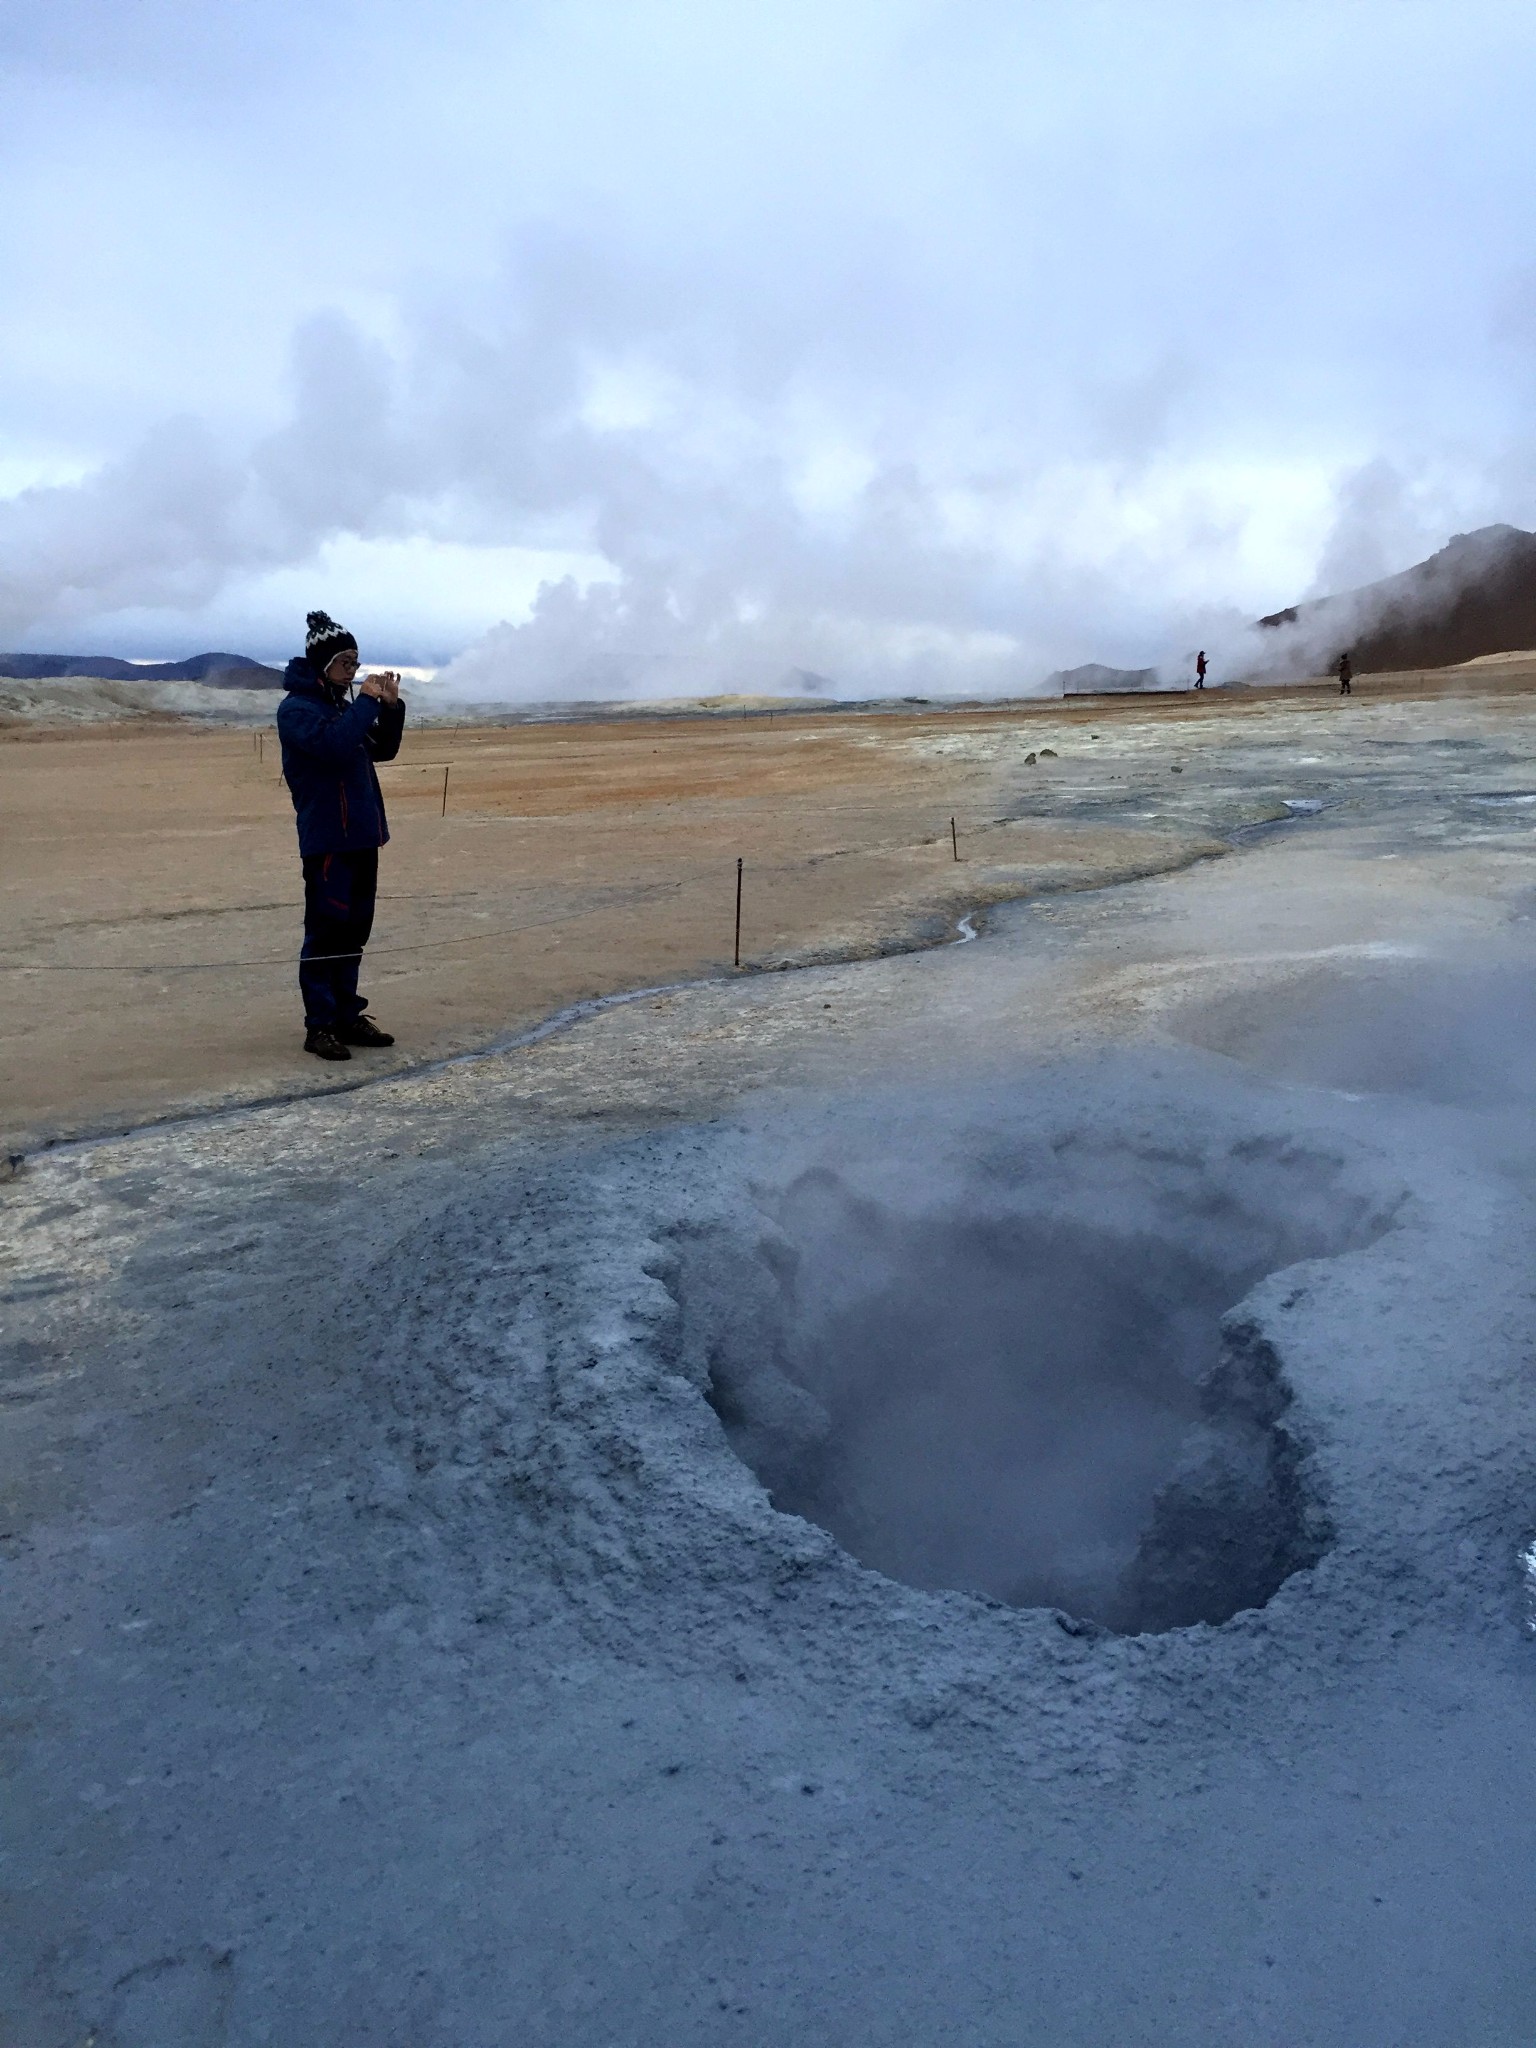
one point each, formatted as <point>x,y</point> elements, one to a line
<point>330,743</point>
<point>1346,675</point>
<point>1200,670</point>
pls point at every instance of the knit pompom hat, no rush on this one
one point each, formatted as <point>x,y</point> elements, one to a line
<point>325,640</point>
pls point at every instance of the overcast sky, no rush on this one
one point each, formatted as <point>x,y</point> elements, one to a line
<point>921,346</point>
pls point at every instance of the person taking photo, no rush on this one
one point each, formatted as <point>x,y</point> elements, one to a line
<point>331,740</point>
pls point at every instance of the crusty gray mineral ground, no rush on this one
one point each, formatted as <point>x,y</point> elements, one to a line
<point>975,1497</point>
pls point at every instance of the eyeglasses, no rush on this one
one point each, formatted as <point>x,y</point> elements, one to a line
<point>345,660</point>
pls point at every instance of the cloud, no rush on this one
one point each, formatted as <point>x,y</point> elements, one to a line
<point>184,513</point>
<point>922,348</point>
<point>739,526</point>
<point>1383,521</point>
<point>162,525</point>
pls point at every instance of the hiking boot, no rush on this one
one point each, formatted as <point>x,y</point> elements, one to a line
<point>363,1031</point>
<point>324,1044</point>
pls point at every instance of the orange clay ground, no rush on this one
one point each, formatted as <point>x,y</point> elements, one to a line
<point>150,893</point>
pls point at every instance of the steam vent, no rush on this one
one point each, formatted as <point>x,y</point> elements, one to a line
<point>1001,1396</point>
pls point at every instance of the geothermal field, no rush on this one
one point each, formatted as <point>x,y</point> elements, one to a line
<point>965,1481</point>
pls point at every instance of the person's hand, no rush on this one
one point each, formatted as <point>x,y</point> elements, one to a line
<point>385,687</point>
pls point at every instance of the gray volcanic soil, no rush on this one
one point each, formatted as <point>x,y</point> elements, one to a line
<point>408,1648</point>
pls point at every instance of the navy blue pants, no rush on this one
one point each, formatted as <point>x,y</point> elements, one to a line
<point>339,889</point>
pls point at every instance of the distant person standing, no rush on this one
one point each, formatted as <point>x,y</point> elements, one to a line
<point>330,743</point>
<point>1346,675</point>
<point>1200,670</point>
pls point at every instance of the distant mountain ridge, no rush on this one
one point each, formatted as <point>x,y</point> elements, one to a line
<point>1476,595</point>
<point>218,671</point>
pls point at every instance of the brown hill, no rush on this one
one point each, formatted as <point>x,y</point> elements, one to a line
<point>1477,595</point>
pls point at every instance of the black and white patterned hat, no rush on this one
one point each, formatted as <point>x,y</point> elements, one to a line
<point>325,640</point>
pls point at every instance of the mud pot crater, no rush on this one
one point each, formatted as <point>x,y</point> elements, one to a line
<point>1027,1373</point>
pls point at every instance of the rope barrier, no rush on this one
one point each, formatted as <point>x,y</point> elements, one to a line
<point>604,900</point>
<point>649,892</point>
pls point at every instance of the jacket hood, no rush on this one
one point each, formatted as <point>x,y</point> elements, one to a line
<point>304,680</point>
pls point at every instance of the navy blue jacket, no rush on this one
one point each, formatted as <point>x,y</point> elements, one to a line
<point>329,748</point>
